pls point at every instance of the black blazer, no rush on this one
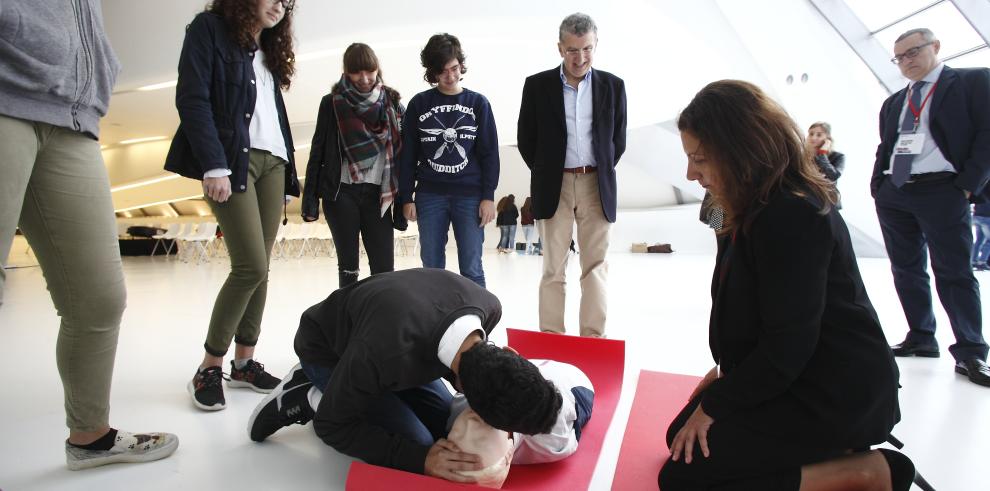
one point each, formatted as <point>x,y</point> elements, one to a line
<point>798,341</point>
<point>959,123</point>
<point>214,95</point>
<point>542,136</point>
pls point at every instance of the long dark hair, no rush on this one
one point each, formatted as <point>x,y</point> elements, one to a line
<point>756,147</point>
<point>505,202</point>
<point>242,21</point>
<point>360,57</point>
<point>527,206</point>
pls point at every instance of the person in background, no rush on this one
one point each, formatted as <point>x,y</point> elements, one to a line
<point>821,145</point>
<point>527,223</point>
<point>353,165</point>
<point>449,160</point>
<point>981,243</point>
<point>804,382</point>
<point>506,221</point>
<point>58,73</point>
<point>234,136</point>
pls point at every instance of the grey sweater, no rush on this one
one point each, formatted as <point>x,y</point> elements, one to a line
<point>56,63</point>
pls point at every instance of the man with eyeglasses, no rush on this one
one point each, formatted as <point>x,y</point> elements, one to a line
<point>572,132</point>
<point>933,160</point>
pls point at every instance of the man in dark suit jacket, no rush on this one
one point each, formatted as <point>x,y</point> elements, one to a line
<point>933,158</point>
<point>572,132</point>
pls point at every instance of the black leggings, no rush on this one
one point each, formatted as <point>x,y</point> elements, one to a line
<point>356,211</point>
<point>741,458</point>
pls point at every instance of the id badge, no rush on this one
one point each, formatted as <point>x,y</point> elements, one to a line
<point>909,144</point>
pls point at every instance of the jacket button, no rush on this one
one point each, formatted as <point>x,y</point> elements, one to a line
<point>252,82</point>
<point>243,187</point>
<point>248,115</point>
<point>245,149</point>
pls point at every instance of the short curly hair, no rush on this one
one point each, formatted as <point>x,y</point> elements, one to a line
<point>507,391</point>
<point>439,50</point>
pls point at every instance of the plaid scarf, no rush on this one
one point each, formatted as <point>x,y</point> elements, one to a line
<point>369,127</point>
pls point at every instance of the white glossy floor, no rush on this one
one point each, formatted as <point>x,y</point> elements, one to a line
<point>658,303</point>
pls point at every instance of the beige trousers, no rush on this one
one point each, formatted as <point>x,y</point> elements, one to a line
<point>580,204</point>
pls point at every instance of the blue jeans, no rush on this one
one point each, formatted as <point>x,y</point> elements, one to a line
<point>508,236</point>
<point>436,213</point>
<point>981,245</point>
<point>419,414</point>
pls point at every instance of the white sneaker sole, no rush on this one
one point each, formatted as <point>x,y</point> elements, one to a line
<point>237,384</point>
<point>192,391</point>
<point>133,458</point>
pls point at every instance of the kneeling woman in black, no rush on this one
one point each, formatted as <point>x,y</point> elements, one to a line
<point>804,381</point>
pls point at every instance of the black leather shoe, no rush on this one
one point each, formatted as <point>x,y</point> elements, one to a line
<point>910,348</point>
<point>901,469</point>
<point>976,370</point>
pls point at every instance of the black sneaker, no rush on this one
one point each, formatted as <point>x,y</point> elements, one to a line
<point>206,388</point>
<point>253,376</point>
<point>288,404</point>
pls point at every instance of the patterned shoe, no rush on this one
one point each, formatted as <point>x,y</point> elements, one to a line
<point>206,388</point>
<point>286,405</point>
<point>127,447</point>
<point>253,376</point>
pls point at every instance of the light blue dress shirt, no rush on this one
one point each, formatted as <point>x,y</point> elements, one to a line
<point>931,158</point>
<point>577,117</point>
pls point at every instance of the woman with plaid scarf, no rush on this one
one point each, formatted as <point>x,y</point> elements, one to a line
<point>352,165</point>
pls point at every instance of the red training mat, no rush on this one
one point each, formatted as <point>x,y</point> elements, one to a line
<point>602,360</point>
<point>659,397</point>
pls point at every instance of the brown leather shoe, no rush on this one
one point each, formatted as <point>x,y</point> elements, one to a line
<point>976,370</point>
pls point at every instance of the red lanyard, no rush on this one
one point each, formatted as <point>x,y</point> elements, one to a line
<point>917,111</point>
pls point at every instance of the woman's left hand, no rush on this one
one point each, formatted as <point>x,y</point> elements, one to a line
<point>694,430</point>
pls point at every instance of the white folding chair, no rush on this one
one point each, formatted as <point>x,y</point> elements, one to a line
<point>198,244</point>
<point>170,234</point>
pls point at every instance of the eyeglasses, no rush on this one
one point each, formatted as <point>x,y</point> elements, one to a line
<point>287,5</point>
<point>573,52</point>
<point>909,54</point>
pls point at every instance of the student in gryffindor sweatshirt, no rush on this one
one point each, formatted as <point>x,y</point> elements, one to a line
<point>450,161</point>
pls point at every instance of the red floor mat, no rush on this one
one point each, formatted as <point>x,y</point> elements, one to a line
<point>603,360</point>
<point>659,397</point>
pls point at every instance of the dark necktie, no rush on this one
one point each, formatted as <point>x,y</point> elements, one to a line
<point>901,168</point>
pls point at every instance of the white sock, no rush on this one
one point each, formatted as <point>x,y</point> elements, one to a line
<point>240,363</point>
<point>315,396</point>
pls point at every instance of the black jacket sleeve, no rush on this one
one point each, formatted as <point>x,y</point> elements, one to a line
<point>317,158</point>
<point>619,136</point>
<point>526,126</point>
<point>192,94</point>
<point>831,165</point>
<point>789,246</point>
